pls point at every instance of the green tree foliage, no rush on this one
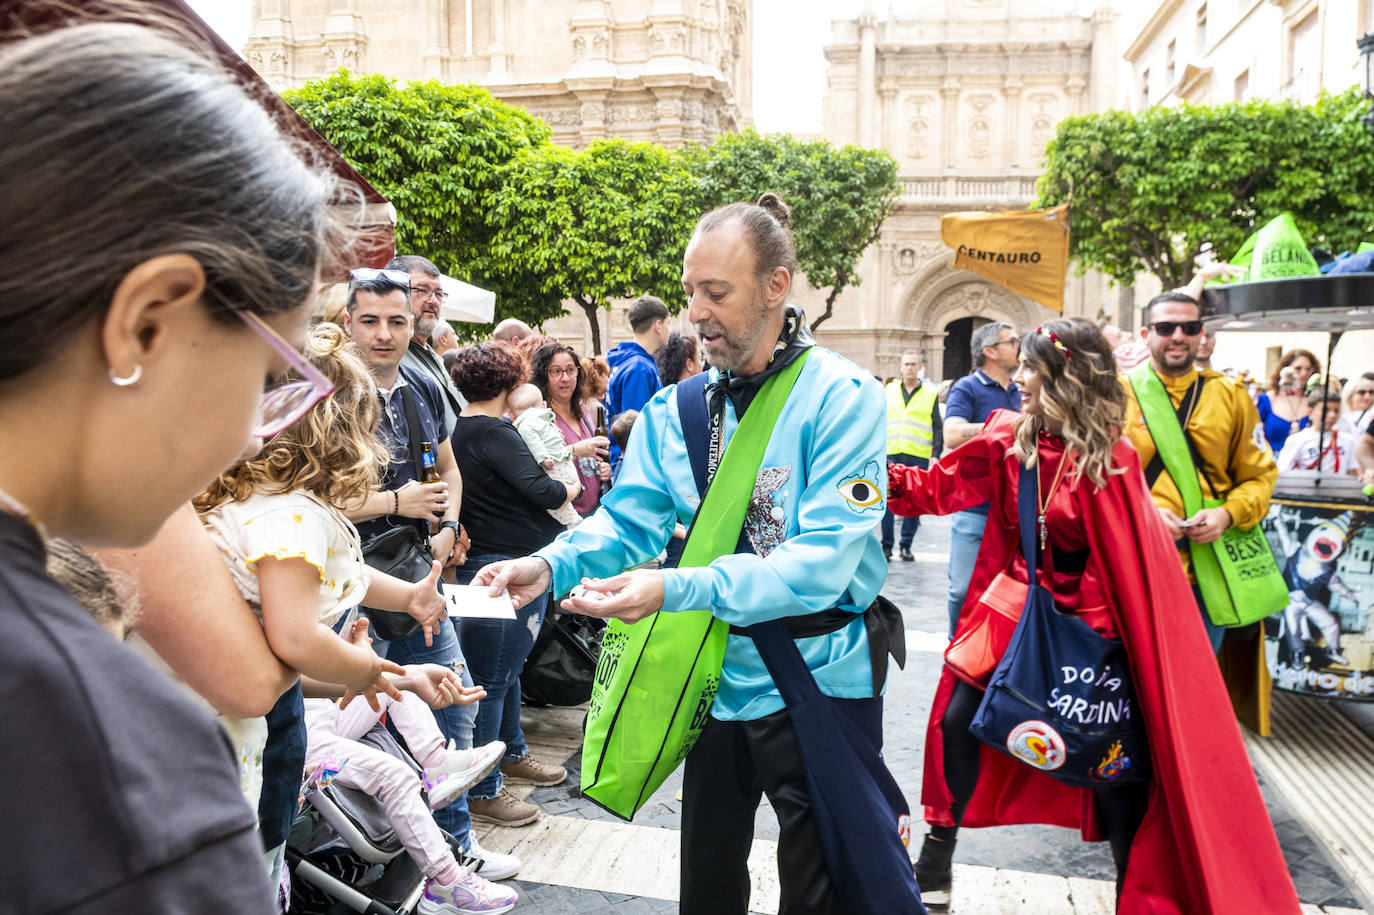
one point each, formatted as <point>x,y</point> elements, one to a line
<point>839,197</point>
<point>608,222</point>
<point>480,189</point>
<point>436,152</point>
<point>1149,189</point>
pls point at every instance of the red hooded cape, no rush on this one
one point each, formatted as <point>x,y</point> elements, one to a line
<point>1206,844</point>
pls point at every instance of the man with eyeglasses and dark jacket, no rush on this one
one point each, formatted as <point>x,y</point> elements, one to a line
<point>1221,420</point>
<point>426,302</point>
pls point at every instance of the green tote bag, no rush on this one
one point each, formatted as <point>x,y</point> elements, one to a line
<point>656,679</point>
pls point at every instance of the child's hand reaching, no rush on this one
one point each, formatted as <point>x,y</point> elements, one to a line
<point>426,603</point>
<point>438,686</point>
<point>369,683</point>
<point>547,463</point>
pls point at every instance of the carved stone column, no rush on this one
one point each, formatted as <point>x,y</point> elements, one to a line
<point>270,50</point>
<point>949,120</point>
<point>499,67</point>
<point>1073,89</point>
<point>868,58</point>
<point>1011,91</point>
<point>345,38</point>
<point>1102,70</point>
<point>436,51</point>
<point>887,90</point>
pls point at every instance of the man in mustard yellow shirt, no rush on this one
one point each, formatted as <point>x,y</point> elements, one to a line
<point>1222,423</point>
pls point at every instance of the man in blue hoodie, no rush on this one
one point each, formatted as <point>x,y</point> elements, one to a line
<point>634,374</point>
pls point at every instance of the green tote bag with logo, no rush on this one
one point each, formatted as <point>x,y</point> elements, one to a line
<point>656,679</point>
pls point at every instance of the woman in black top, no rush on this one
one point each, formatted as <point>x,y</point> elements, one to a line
<point>506,498</point>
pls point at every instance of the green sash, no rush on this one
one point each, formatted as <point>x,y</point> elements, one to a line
<point>1239,580</point>
<point>656,679</point>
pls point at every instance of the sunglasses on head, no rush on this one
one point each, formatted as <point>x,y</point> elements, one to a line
<point>369,274</point>
<point>1167,328</point>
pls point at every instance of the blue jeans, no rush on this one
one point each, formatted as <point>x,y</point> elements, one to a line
<point>909,525</point>
<point>455,722</point>
<point>965,536</point>
<point>1215,633</point>
<point>498,649</point>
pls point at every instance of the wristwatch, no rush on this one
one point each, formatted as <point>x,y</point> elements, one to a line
<point>451,525</point>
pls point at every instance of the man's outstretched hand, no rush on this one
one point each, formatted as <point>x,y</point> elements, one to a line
<point>629,596</point>
<point>525,578</point>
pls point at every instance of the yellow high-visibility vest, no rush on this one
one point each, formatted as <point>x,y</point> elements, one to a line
<point>909,427</point>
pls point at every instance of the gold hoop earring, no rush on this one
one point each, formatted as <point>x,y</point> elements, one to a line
<point>129,380</point>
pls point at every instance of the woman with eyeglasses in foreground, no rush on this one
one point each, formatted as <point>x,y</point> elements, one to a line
<point>1195,837</point>
<point>142,285</point>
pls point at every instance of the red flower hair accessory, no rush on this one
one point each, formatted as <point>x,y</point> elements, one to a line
<point>1054,338</point>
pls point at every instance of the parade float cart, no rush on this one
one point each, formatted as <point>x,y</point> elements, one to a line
<point>1320,526</point>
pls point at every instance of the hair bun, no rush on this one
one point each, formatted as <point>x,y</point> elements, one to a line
<point>326,339</point>
<point>779,210</point>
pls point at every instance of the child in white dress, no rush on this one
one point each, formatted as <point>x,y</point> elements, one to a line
<point>298,562</point>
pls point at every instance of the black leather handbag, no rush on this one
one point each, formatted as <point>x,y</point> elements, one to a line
<point>401,550</point>
<point>398,551</point>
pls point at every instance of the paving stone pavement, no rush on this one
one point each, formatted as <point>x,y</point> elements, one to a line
<point>918,588</point>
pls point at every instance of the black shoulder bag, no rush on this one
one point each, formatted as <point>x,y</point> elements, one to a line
<point>400,551</point>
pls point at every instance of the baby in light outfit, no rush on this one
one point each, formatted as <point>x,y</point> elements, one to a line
<point>534,421</point>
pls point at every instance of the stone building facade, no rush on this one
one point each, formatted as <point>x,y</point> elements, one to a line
<point>964,94</point>
<point>668,71</point>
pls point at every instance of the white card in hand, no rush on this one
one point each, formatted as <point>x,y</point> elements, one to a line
<point>474,602</point>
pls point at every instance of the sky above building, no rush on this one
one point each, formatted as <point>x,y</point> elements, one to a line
<point>789,61</point>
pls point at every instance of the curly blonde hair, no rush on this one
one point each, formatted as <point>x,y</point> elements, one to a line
<point>1079,389</point>
<point>332,451</point>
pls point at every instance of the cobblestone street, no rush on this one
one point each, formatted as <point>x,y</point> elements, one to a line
<point>579,858</point>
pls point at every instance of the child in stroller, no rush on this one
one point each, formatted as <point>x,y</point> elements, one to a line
<point>392,780</point>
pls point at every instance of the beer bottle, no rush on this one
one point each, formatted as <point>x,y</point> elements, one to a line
<point>601,431</point>
<point>429,466</point>
<point>428,463</point>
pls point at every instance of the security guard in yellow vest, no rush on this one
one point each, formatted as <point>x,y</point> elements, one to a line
<point>914,436</point>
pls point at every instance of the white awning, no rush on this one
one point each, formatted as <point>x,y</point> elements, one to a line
<point>466,302</point>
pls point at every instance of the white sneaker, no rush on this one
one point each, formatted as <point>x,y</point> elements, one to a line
<point>492,865</point>
<point>460,770</point>
<point>468,895</point>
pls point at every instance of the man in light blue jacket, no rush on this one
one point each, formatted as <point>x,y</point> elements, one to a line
<point>817,501</point>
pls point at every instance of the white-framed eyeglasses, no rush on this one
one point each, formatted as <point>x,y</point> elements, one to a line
<point>284,403</point>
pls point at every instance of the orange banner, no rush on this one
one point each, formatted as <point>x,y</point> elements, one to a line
<point>1026,251</point>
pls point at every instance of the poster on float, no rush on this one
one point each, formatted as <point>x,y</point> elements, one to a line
<point>1322,643</point>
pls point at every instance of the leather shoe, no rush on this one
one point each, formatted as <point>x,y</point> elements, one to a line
<point>906,555</point>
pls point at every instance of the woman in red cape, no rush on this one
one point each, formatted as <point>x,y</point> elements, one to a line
<point>1194,839</point>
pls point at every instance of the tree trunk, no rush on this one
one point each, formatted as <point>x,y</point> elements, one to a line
<point>591,309</point>
<point>841,281</point>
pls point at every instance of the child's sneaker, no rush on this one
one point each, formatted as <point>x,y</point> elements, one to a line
<point>468,895</point>
<point>460,770</point>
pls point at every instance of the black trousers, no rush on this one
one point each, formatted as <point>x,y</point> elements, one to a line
<point>732,765</point>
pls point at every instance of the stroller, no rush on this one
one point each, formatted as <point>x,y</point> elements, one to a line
<point>343,854</point>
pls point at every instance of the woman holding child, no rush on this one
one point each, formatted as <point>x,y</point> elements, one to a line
<point>506,503</point>
<point>558,373</point>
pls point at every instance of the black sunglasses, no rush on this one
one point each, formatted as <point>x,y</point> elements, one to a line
<point>1167,328</point>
